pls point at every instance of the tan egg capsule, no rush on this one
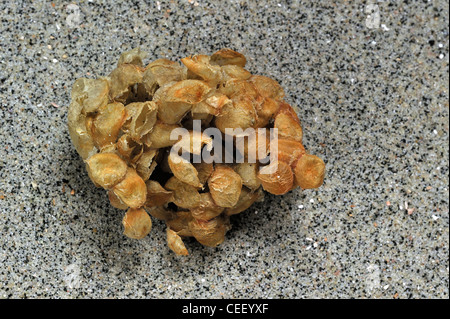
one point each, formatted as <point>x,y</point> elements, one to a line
<point>161,72</point>
<point>184,195</point>
<point>89,122</point>
<point>107,123</point>
<point>156,194</point>
<point>180,223</point>
<point>234,72</point>
<point>132,189</point>
<point>133,56</point>
<point>207,209</point>
<point>199,66</point>
<point>210,232</point>
<point>289,151</point>
<point>217,102</point>
<point>238,87</point>
<point>91,94</point>
<point>288,124</point>
<point>204,171</point>
<point>175,99</point>
<point>110,148</point>
<point>172,112</point>
<point>146,164</point>
<point>183,170</point>
<point>129,148</point>
<point>225,186</point>
<point>175,243</point>
<point>137,223</point>
<point>228,57</point>
<point>163,63</point>
<point>79,134</point>
<point>213,104</point>
<point>150,82</point>
<point>116,201</point>
<point>161,93</point>
<point>246,199</point>
<point>187,91</point>
<point>248,173</point>
<point>276,178</point>
<point>121,79</point>
<point>266,110</point>
<point>239,114</point>
<point>159,137</point>
<point>267,87</point>
<point>106,169</point>
<point>309,171</point>
<point>161,213</point>
<point>141,119</point>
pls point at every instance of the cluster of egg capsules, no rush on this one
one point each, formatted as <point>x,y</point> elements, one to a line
<point>121,126</point>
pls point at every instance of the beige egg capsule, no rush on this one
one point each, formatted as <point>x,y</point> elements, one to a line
<point>160,212</point>
<point>134,56</point>
<point>91,94</point>
<point>161,72</point>
<point>225,186</point>
<point>79,133</point>
<point>289,151</point>
<point>159,137</point>
<point>183,170</point>
<point>199,67</point>
<point>234,72</point>
<point>207,209</point>
<point>266,108</point>
<point>276,178</point>
<point>106,169</point>
<point>288,124</point>
<point>171,110</point>
<point>140,120</point>
<point>248,173</point>
<point>156,194</point>
<point>132,189</point>
<point>267,87</point>
<point>146,164</point>
<point>210,232</point>
<point>228,57</point>
<point>137,223</point>
<point>129,149</point>
<point>116,201</point>
<point>238,87</point>
<point>175,243</point>
<point>246,199</point>
<point>309,171</point>
<point>184,195</point>
<point>106,125</point>
<point>180,223</point>
<point>240,113</point>
<point>121,79</point>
